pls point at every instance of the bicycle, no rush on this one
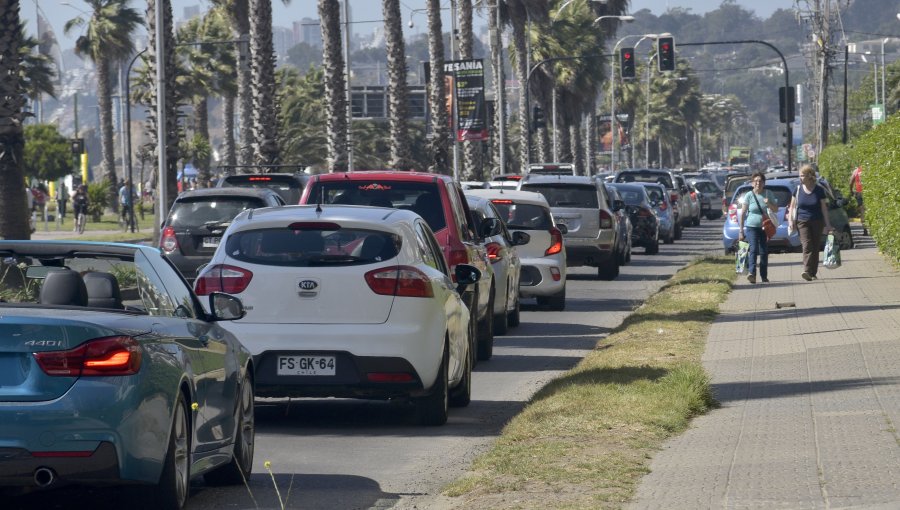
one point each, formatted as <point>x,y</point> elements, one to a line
<point>80,220</point>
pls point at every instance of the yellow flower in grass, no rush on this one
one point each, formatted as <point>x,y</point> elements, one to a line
<point>195,406</point>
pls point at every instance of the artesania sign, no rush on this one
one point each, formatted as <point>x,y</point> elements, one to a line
<point>467,85</point>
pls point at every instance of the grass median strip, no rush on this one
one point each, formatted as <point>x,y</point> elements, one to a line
<point>586,439</point>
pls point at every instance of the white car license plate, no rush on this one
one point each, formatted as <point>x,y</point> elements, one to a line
<point>306,365</point>
<point>211,242</point>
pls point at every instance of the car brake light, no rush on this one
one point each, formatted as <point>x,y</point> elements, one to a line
<point>108,356</point>
<point>222,278</point>
<point>605,219</point>
<point>732,212</point>
<point>457,257</point>
<point>501,201</point>
<point>556,242</point>
<point>404,281</point>
<point>167,241</point>
<point>493,252</point>
<point>694,195</point>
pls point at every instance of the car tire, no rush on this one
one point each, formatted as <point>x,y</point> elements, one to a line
<point>847,238</point>
<point>486,332</point>
<point>501,320</point>
<point>461,395</point>
<point>653,247</point>
<point>432,409</point>
<point>628,255</point>
<point>678,229</point>
<point>171,493</point>
<point>514,316</point>
<point>557,302</point>
<point>696,221</point>
<point>608,271</point>
<point>238,470</point>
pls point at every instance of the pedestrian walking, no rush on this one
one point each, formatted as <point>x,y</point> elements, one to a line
<point>753,208</point>
<point>62,196</point>
<point>810,211</point>
<point>856,188</point>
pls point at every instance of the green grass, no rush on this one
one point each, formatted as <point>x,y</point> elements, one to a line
<point>586,439</point>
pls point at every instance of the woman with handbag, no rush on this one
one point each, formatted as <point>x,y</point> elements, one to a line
<point>755,205</point>
<point>809,211</point>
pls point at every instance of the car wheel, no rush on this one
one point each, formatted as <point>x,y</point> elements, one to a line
<point>461,395</point>
<point>514,316</point>
<point>653,247</point>
<point>628,255</point>
<point>670,238</point>
<point>696,221</point>
<point>621,256</point>
<point>557,302</point>
<point>678,229</point>
<point>174,483</point>
<point>847,238</point>
<point>241,465</point>
<point>431,410</point>
<point>486,332</point>
<point>501,321</point>
<point>608,271</point>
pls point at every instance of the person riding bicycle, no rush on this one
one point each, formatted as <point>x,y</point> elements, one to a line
<point>125,201</point>
<point>80,204</point>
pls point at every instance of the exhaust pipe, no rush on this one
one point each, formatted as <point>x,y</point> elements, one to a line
<point>44,477</point>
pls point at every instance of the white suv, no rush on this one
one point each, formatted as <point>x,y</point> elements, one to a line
<point>348,301</point>
<point>543,257</point>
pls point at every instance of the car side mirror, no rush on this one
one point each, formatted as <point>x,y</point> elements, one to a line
<point>466,275</point>
<point>519,238</point>
<point>618,205</point>
<point>562,228</point>
<point>225,307</point>
<point>490,227</point>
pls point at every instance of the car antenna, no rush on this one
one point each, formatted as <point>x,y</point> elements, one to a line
<point>321,199</point>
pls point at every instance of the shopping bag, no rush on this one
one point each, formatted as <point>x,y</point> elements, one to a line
<point>832,258</point>
<point>769,228</point>
<point>742,259</point>
<point>773,217</point>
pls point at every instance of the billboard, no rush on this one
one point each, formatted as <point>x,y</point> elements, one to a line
<point>605,136</point>
<point>468,86</point>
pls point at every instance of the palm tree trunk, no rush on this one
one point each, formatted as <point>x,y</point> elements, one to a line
<point>228,127</point>
<point>576,141</point>
<point>590,146</point>
<point>168,133</point>
<point>521,47</point>
<point>239,15</point>
<point>335,85</point>
<point>499,88</point>
<point>107,152</point>
<point>471,168</point>
<point>262,82</point>
<point>398,92</point>
<point>12,140</point>
<point>437,93</point>
<point>201,128</point>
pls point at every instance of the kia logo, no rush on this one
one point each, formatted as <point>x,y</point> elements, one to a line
<point>308,285</point>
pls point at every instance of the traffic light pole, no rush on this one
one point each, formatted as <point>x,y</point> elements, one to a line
<point>787,84</point>
<point>527,123</point>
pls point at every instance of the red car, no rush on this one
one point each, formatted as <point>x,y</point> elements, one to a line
<point>439,200</point>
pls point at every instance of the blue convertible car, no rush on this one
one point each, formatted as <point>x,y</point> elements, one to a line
<point>111,372</point>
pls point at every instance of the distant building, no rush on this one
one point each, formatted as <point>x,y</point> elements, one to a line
<point>282,40</point>
<point>308,31</point>
<point>191,11</point>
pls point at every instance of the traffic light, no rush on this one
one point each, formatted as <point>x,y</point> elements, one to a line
<point>786,101</point>
<point>537,118</point>
<point>77,145</point>
<point>626,62</point>
<point>665,50</point>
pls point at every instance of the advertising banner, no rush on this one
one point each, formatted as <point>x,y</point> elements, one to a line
<point>467,78</point>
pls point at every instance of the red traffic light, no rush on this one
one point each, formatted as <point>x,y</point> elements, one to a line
<point>626,62</point>
<point>665,50</point>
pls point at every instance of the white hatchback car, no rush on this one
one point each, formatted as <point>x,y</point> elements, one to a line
<point>348,301</point>
<point>543,257</point>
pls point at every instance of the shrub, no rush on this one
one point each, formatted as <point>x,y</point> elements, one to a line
<point>98,199</point>
<point>836,163</point>
<point>879,154</point>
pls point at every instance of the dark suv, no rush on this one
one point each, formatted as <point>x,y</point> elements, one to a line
<point>439,200</point>
<point>198,218</point>
<point>680,204</point>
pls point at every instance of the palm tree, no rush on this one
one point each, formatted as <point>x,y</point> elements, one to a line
<point>471,161</point>
<point>38,70</point>
<point>437,93</point>
<point>262,82</point>
<point>168,134</point>
<point>397,89</point>
<point>238,12</point>
<point>108,38</point>
<point>497,72</point>
<point>12,140</point>
<point>335,85</point>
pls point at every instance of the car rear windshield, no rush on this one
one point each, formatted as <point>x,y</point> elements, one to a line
<point>289,188</point>
<point>300,247</point>
<point>654,177</point>
<point>419,197</point>
<point>566,195</point>
<point>631,196</point>
<point>524,216</point>
<point>706,187</point>
<point>202,211</point>
<point>782,194</point>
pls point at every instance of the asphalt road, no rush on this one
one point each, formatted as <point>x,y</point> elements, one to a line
<point>350,454</point>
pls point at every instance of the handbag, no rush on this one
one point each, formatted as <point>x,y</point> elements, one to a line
<point>792,213</point>
<point>768,227</point>
<point>832,259</point>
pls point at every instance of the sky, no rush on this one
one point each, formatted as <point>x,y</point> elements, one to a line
<point>58,12</point>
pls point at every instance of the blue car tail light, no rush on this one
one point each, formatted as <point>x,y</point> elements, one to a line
<point>108,356</point>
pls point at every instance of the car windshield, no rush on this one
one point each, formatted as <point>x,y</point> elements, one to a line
<point>657,178</point>
<point>201,211</point>
<point>524,216</point>
<point>288,187</point>
<point>706,187</point>
<point>566,195</point>
<point>315,247</point>
<point>419,197</point>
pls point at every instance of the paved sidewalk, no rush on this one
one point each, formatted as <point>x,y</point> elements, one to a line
<point>810,396</point>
